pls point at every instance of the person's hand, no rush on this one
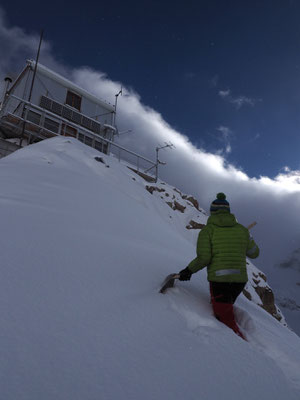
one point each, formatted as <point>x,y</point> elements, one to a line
<point>185,274</point>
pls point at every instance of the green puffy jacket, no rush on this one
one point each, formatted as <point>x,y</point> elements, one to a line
<point>222,247</point>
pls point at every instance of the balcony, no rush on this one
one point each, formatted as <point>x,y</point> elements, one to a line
<point>32,123</point>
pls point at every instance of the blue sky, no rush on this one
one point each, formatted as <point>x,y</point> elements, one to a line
<point>224,73</point>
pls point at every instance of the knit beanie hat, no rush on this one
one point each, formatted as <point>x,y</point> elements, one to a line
<point>219,204</point>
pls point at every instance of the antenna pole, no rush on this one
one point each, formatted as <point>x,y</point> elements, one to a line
<point>169,145</point>
<point>35,67</point>
<point>32,84</point>
<point>116,103</point>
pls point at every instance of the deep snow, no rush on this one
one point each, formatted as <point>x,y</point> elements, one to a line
<point>84,249</point>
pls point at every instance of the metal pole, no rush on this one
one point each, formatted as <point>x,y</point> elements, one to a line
<point>32,83</point>
<point>8,81</point>
<point>116,103</point>
<point>36,64</point>
<point>156,165</point>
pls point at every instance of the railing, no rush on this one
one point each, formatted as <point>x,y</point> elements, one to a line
<point>23,124</point>
<point>7,148</point>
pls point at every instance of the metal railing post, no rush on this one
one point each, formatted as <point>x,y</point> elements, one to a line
<point>42,120</point>
<point>60,127</point>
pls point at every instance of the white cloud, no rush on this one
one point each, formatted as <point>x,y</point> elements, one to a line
<point>226,132</point>
<point>228,148</point>
<point>224,93</point>
<point>238,101</point>
<point>243,100</point>
<point>273,202</point>
<point>225,138</point>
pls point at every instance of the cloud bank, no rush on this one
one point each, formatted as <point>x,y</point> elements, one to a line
<point>273,202</point>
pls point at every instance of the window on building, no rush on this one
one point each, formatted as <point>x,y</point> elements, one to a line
<point>101,146</point>
<point>34,117</point>
<point>73,100</point>
<point>67,130</point>
<point>51,125</point>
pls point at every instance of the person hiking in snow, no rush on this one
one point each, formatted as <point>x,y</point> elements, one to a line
<point>222,247</point>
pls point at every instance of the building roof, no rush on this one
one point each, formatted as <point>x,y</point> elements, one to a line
<point>70,85</point>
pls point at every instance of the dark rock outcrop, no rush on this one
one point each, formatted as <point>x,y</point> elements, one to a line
<point>247,294</point>
<point>178,206</point>
<point>268,301</point>
<point>151,189</point>
<point>258,282</point>
<point>192,200</point>
<point>194,225</point>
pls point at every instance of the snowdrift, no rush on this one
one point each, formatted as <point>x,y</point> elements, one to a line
<point>84,249</point>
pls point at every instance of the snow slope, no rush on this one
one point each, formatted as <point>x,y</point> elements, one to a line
<point>84,249</point>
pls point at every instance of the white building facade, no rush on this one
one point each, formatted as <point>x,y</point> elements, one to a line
<point>51,105</point>
<point>41,104</point>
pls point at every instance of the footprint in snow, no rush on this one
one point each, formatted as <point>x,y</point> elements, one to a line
<point>244,320</point>
<point>196,316</point>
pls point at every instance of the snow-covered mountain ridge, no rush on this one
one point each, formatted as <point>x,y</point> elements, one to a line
<point>85,247</point>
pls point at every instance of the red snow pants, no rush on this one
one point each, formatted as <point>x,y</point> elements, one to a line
<point>223,295</point>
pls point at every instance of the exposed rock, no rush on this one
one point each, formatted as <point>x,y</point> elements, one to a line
<point>192,200</point>
<point>194,225</point>
<point>268,302</point>
<point>177,191</point>
<point>247,294</point>
<point>257,281</point>
<point>263,276</point>
<point>178,206</point>
<point>151,189</point>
